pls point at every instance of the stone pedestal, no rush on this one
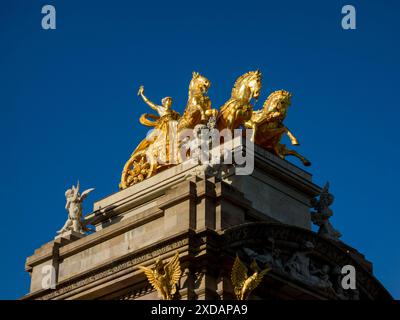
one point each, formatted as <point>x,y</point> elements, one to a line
<point>70,235</point>
<point>208,220</point>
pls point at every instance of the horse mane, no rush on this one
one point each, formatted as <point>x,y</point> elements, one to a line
<point>285,95</point>
<point>243,77</point>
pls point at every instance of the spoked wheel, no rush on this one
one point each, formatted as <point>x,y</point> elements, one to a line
<point>136,169</point>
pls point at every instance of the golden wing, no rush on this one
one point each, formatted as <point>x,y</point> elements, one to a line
<point>151,278</point>
<point>173,272</point>
<point>238,276</point>
<point>256,280</point>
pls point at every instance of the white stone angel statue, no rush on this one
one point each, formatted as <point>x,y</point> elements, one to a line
<point>74,208</point>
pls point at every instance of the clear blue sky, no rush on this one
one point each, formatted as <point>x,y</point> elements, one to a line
<point>69,108</point>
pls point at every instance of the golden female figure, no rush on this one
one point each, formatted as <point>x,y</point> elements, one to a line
<point>153,152</point>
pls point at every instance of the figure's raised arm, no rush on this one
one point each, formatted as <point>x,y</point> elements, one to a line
<point>151,104</point>
<point>75,191</point>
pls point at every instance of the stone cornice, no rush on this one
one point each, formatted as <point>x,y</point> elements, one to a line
<point>114,268</point>
<point>94,238</point>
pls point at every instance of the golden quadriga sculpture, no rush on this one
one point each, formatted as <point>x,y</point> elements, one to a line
<point>162,147</point>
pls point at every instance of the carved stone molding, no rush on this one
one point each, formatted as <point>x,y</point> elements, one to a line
<point>113,268</point>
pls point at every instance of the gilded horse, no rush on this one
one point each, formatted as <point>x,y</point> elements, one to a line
<point>198,108</point>
<point>238,109</point>
<point>268,128</point>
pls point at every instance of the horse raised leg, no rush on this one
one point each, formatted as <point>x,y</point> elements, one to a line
<point>292,138</point>
<point>283,151</point>
<point>251,125</point>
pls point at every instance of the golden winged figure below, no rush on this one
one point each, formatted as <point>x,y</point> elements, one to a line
<point>164,277</point>
<point>243,284</point>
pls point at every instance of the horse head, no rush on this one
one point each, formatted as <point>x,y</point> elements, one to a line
<point>247,86</point>
<point>279,101</point>
<point>199,84</point>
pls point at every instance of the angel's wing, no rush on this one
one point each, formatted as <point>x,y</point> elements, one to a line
<point>239,274</point>
<point>85,193</point>
<point>173,272</point>
<point>256,279</point>
<point>151,278</point>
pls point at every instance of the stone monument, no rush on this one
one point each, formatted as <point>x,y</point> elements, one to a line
<point>177,225</point>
